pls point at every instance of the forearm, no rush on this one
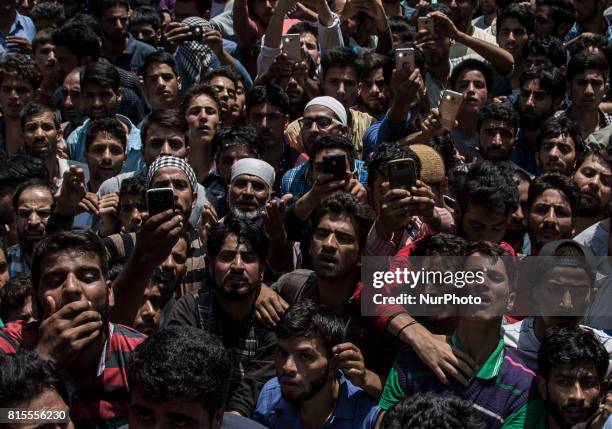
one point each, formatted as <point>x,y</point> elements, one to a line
<point>305,206</point>
<point>275,26</point>
<point>398,112</point>
<point>500,59</point>
<point>280,255</point>
<point>373,384</point>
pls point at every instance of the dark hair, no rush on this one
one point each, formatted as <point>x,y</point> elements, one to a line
<point>385,152</point>
<point>64,241</point>
<point>108,126</point>
<point>36,108</point>
<point>520,12</point>
<point>144,15</point>
<point>195,91</point>
<point>400,25</point>
<point>133,186</point>
<point>99,6</point>
<point>20,67</point>
<point>79,39</point>
<point>343,203</point>
<point>561,11</point>
<point>440,244</point>
<point>469,65</point>
<point>167,118</point>
<point>272,94</point>
<point>156,58</point>
<point>306,319</point>
<point>42,37</point>
<point>240,135</point>
<point>571,346</point>
<point>370,61</point>
<point>432,411</point>
<point>304,27</point>
<point>201,5</point>
<point>443,144</point>
<point>182,363</point>
<point>47,10</point>
<point>24,376</point>
<point>490,186</point>
<point>102,74</point>
<point>21,167</point>
<point>498,112</point>
<point>31,183</point>
<point>225,71</point>
<point>495,251</point>
<point>426,9</point>
<point>558,182</point>
<point>601,155</point>
<point>332,141</point>
<point>520,176</point>
<point>584,61</point>
<point>13,295</point>
<point>338,57</point>
<point>590,40</point>
<point>551,80</point>
<point>553,127</point>
<point>548,46</point>
<point>246,232</point>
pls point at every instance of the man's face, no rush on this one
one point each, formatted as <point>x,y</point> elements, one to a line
<point>586,10</point>
<point>14,95</point>
<point>172,269</point>
<point>309,45</point>
<point>270,123</point>
<point>473,85</point>
<point>292,84</point>
<point>177,180</point>
<point>145,33</point>
<point>71,105</point>
<point>517,224</point>
<point>163,141</point>
<point>318,121</point>
<point>594,177</point>
<point>104,157</point>
<point>48,399</point>
<point>512,37</point>
<point>237,270</point>
<point>33,210</point>
<point>341,83</point>
<point>240,102</point>
<point>40,136</point>
<point>572,393</point>
<point>463,10</point>
<point>262,9</point>
<point>227,158</point>
<point>545,25</point>
<point>558,155</point>
<point>550,218</point>
<point>487,6</point>
<point>302,368</point>
<point>480,224</point>
<point>496,140</point>
<point>68,276</point>
<point>115,22</point>
<point>161,86</point>
<point>227,94</point>
<point>495,291</point>
<point>149,313</point>
<point>132,209</point>
<point>535,104</point>
<point>373,92</point>
<point>334,248</point>
<point>67,61</point>
<point>248,196</point>
<point>587,90</point>
<point>45,59</point>
<point>562,295</point>
<point>146,413</point>
<point>538,61</point>
<point>100,101</point>
<point>203,117</point>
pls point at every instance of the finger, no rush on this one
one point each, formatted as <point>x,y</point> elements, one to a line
<point>51,309</point>
<point>86,317</point>
<point>265,317</point>
<point>90,337</point>
<point>452,372</point>
<point>153,222</point>
<point>279,305</point>
<point>466,359</point>
<point>70,310</point>
<point>440,374</point>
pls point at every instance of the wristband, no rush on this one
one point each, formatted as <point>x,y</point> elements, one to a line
<point>404,327</point>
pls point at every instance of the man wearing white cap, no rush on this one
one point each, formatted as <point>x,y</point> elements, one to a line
<point>322,116</point>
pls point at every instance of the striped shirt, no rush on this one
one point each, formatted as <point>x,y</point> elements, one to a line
<point>97,402</point>
<point>503,391</point>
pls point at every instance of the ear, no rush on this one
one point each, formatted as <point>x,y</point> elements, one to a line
<point>110,294</point>
<point>541,383</point>
<point>511,300</point>
<point>119,97</point>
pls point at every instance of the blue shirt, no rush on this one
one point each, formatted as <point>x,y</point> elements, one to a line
<point>294,181</point>
<point>383,131</point>
<point>577,30</point>
<point>133,56</point>
<point>22,27</point>
<point>133,162</point>
<point>354,408</point>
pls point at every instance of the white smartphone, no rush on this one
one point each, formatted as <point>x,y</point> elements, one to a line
<point>450,102</point>
<point>291,46</point>
<point>404,58</point>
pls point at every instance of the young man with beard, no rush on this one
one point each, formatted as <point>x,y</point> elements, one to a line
<point>589,19</point>
<point>161,81</point>
<point>309,389</point>
<point>516,232</point>
<point>559,145</point>
<point>124,212</point>
<point>105,144</point>
<point>118,45</point>
<point>572,367</point>
<point>554,17</point>
<point>374,78</point>
<point>19,80</point>
<point>541,92</point>
<point>224,306</point>
<point>223,81</point>
<point>69,275</point>
<point>497,126</point>
<point>594,178</point>
<point>71,110</point>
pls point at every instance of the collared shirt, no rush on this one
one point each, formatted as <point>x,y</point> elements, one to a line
<point>294,180</point>
<point>502,391</point>
<point>22,27</point>
<point>577,30</point>
<point>133,55</point>
<point>100,401</point>
<point>133,162</point>
<point>16,262</point>
<point>604,118</point>
<point>354,409</point>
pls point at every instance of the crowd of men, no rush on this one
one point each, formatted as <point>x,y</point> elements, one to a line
<point>189,190</point>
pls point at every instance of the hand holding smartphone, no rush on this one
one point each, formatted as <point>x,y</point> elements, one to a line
<point>291,46</point>
<point>402,174</point>
<point>335,165</point>
<point>159,200</point>
<point>404,59</point>
<point>426,23</point>
<point>450,103</point>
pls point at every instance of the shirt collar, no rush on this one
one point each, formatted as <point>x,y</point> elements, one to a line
<point>490,369</point>
<point>131,46</point>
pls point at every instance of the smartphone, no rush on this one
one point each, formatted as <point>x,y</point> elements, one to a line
<point>450,102</point>
<point>402,174</point>
<point>336,165</point>
<point>426,23</point>
<point>291,46</point>
<point>159,200</point>
<point>404,58</point>
<point>196,32</point>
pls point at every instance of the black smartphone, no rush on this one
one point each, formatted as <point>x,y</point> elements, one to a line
<point>196,32</point>
<point>336,165</point>
<point>402,174</point>
<point>159,200</point>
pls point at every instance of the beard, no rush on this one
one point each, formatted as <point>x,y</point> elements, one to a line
<point>498,155</point>
<point>556,413</point>
<point>531,122</point>
<point>237,294</point>
<point>245,214</point>
<point>588,208</point>
<point>314,387</point>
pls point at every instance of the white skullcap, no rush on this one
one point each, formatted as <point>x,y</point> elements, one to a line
<point>332,104</point>
<point>254,167</point>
